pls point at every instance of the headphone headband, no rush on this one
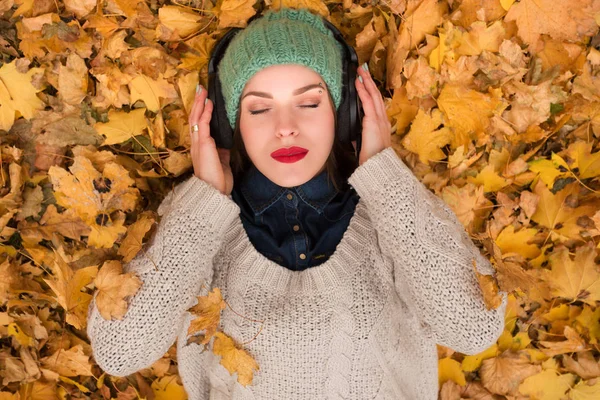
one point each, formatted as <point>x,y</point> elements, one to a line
<point>349,114</point>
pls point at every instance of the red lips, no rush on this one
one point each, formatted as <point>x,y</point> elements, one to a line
<point>283,152</point>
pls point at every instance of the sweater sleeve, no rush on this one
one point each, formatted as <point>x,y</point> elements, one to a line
<point>432,255</point>
<point>177,261</point>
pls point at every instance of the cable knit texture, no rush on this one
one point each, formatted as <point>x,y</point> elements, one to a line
<point>363,325</point>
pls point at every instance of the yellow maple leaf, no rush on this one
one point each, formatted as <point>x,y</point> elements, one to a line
<point>590,322</point>
<point>122,126</point>
<point>450,370</point>
<point>167,388</point>
<point>436,57</point>
<point>17,94</point>
<point>317,6</point>
<point>587,164</point>
<point>400,110</point>
<point>489,179</point>
<point>67,286</point>
<point>150,90</point>
<point>554,213</point>
<point>473,362</point>
<point>208,312</point>
<point>234,13</point>
<point>94,196</point>
<point>577,279</point>
<point>234,359</point>
<point>181,20</point>
<point>548,171</point>
<point>481,37</point>
<point>510,241</point>
<point>424,137</point>
<point>468,112</point>
<point>113,288</point>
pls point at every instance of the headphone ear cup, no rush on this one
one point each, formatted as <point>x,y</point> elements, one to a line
<point>220,129</point>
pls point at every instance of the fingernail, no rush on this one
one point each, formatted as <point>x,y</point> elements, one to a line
<point>365,66</point>
<point>206,100</point>
<point>360,79</point>
<point>198,89</point>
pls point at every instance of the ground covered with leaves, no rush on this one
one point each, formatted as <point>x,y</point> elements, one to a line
<point>495,106</point>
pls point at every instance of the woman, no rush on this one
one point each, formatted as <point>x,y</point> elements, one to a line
<point>398,271</point>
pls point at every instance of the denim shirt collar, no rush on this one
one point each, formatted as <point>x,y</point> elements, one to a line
<point>261,193</point>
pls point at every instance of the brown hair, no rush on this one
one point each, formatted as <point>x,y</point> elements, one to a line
<point>340,164</point>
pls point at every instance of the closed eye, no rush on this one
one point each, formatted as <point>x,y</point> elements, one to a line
<point>267,109</point>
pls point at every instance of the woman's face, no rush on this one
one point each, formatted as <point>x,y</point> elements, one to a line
<point>283,106</point>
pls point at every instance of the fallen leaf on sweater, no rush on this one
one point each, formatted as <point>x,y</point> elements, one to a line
<point>208,311</point>
<point>113,289</point>
<point>489,287</point>
<point>235,359</point>
<point>132,243</point>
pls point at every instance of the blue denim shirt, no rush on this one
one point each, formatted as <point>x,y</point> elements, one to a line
<point>296,227</point>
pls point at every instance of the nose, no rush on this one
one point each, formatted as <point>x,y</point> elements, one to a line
<point>286,125</point>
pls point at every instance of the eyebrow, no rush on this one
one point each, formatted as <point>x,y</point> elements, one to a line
<point>295,92</point>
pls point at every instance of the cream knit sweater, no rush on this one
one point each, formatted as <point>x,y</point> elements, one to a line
<point>363,325</point>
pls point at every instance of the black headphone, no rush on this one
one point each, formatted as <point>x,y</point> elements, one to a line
<point>349,115</point>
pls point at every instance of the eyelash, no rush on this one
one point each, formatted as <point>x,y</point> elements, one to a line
<point>266,109</point>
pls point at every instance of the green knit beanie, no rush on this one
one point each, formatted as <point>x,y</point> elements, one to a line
<point>287,36</point>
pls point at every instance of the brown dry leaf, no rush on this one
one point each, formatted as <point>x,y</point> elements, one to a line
<point>235,359</point>
<point>569,20</point>
<point>574,343</point>
<point>234,13</point>
<point>67,286</point>
<point>132,243</point>
<point>208,312</point>
<point>71,362</point>
<point>586,365</point>
<point>502,375</point>
<point>416,24</point>
<point>73,80</point>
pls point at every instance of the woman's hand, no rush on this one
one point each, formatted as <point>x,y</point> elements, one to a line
<point>211,164</point>
<point>376,127</point>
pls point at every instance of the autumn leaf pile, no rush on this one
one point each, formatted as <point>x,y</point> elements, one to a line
<point>495,106</point>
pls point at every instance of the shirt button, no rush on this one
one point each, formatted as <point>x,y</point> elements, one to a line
<point>296,228</point>
<point>289,196</point>
<point>302,256</point>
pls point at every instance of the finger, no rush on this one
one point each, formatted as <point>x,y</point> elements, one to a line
<point>371,87</point>
<point>198,106</point>
<point>366,100</point>
<point>204,120</point>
